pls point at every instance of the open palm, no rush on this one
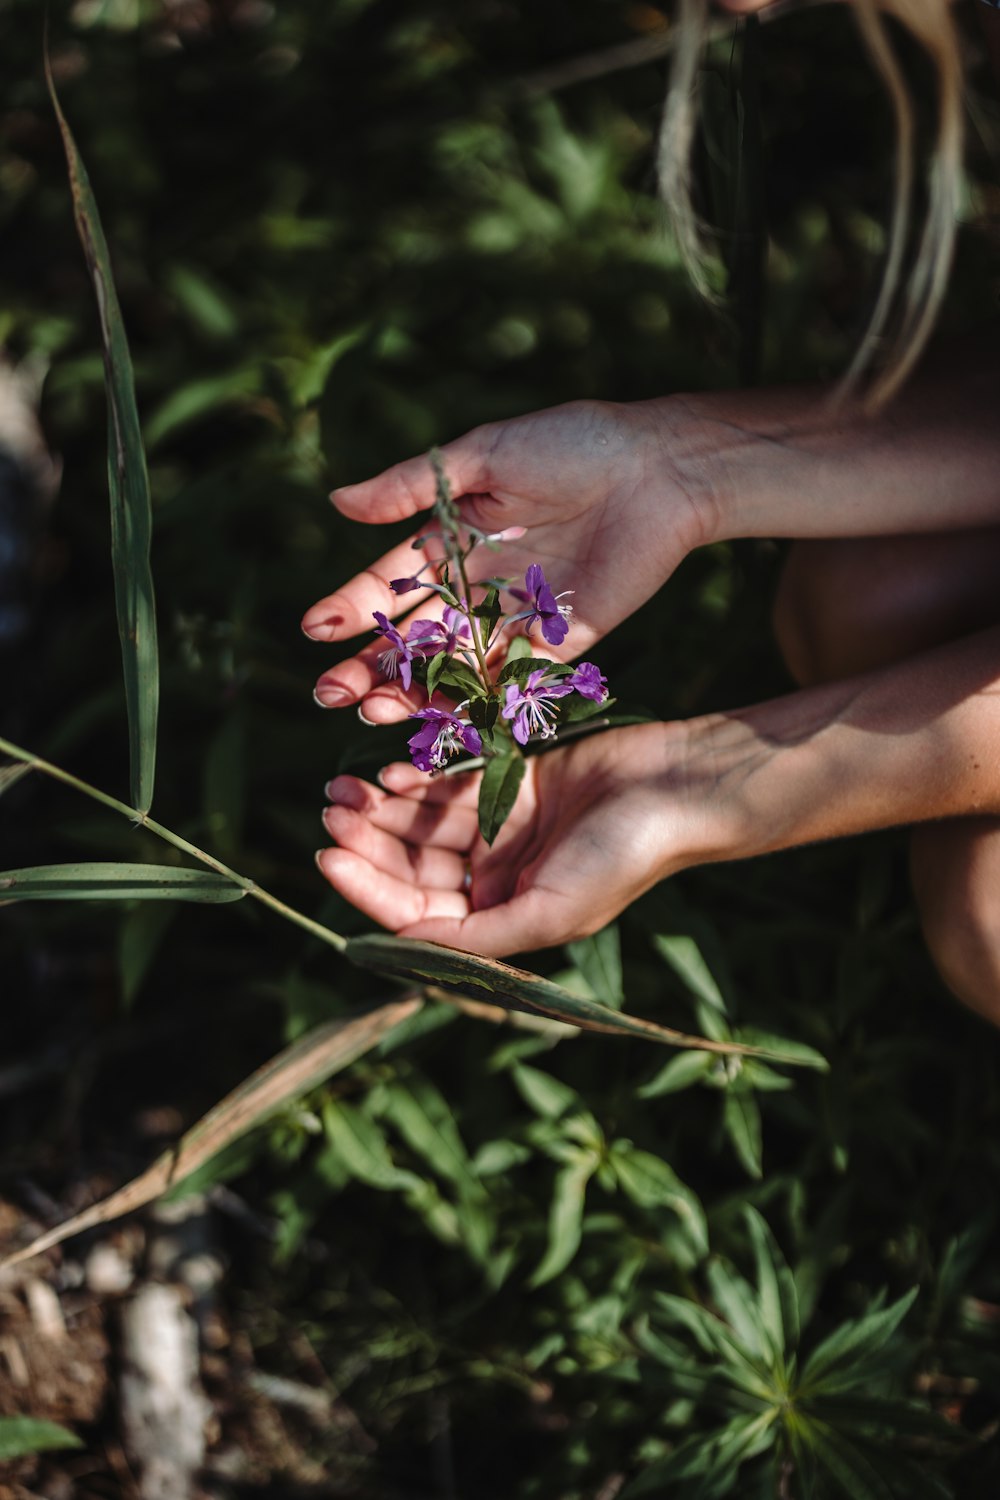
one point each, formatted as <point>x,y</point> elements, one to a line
<point>590,483</point>
<point>595,824</point>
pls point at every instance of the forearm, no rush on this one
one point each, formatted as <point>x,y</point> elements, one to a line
<point>785,463</point>
<point>906,744</point>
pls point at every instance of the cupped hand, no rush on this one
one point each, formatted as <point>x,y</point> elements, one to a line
<point>593,487</point>
<point>595,824</point>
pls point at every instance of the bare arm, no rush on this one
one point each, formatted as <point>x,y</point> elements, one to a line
<point>785,463</point>
<point>599,822</point>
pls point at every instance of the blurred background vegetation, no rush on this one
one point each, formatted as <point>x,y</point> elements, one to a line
<point>344,230</point>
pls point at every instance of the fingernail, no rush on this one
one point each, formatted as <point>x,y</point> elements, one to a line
<point>318,857</point>
<point>380,778</point>
<point>372,723</point>
<point>332,697</point>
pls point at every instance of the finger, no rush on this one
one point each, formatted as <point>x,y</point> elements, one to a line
<point>443,827</point>
<point>436,869</point>
<point>410,487</point>
<point>359,680</point>
<point>391,902</point>
<point>531,920</point>
<point>458,788</point>
<point>348,610</point>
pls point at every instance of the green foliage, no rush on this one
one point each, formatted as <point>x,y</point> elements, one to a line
<point>21,1435</point>
<point>340,233</point>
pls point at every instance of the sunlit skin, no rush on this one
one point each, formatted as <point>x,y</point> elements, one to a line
<point>611,498</point>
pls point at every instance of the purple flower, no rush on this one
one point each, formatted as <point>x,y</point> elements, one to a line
<point>396,660</point>
<point>442,735</point>
<point>432,636</point>
<point>532,707</point>
<point>544,605</point>
<point>589,682</point>
<point>405,585</point>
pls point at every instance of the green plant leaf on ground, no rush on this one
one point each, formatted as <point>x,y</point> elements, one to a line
<point>128,482</point>
<point>301,1067</point>
<point>22,1435</point>
<point>106,881</point>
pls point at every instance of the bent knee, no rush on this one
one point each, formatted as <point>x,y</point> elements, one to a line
<point>956,877</point>
<point>821,618</point>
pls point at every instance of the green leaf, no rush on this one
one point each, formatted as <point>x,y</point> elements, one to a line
<point>513,989</point>
<point>359,1145</point>
<point>458,674</point>
<point>521,667</point>
<point>547,1096</point>
<point>797,1052</point>
<point>841,1360</point>
<point>21,1435</point>
<point>518,649</point>
<point>848,1467</point>
<point>301,1067</point>
<point>483,713</point>
<point>684,957</point>
<point>679,1073</point>
<point>599,960</point>
<point>498,792</point>
<point>566,1218</point>
<point>737,1302</point>
<point>777,1299</point>
<point>131,512</point>
<point>435,667</point>
<point>117,882</point>
<point>424,1119</point>
<point>651,1183</point>
<point>141,936</point>
<point>741,1118</point>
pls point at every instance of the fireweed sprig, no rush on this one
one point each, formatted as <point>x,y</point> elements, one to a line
<point>496,716</point>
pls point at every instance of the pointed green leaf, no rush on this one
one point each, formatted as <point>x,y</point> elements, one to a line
<point>547,1096</point>
<point>502,984</point>
<point>684,957</point>
<point>358,1144</point>
<point>778,1301</point>
<point>741,1117</point>
<point>520,668</point>
<point>118,882</point>
<point>599,960</point>
<point>842,1359</point>
<point>301,1067</point>
<point>651,1183</point>
<point>22,1435</point>
<point>498,792</point>
<point>131,512</point>
<point>518,649</point>
<point>847,1466</point>
<point>566,1218</point>
<point>797,1052</point>
<point>680,1072</point>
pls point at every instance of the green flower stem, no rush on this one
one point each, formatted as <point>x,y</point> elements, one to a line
<point>484,670</point>
<point>35,763</point>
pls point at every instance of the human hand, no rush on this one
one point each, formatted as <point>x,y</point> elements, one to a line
<point>592,485</point>
<point>595,824</point>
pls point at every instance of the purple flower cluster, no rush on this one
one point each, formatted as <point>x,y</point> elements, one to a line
<point>424,639</point>
<point>530,707</point>
<point>543,605</point>
<point>443,735</point>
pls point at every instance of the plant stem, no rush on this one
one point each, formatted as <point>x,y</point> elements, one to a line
<point>143,820</point>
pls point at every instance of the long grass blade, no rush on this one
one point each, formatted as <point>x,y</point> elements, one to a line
<point>128,482</point>
<point>117,882</point>
<point>301,1067</point>
<point>516,989</point>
